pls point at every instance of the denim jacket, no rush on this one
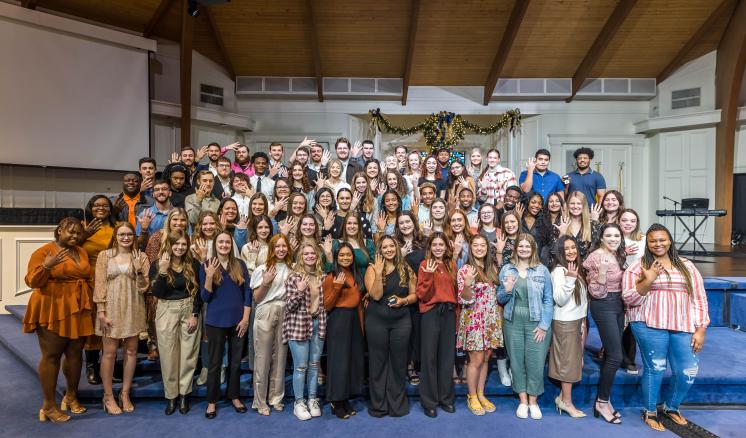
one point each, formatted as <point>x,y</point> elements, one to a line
<point>540,301</point>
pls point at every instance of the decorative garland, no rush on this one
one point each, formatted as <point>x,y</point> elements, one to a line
<point>446,129</point>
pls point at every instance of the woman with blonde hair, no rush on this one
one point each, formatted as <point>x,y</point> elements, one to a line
<point>458,232</point>
<point>304,327</point>
<point>121,280</point>
<point>334,181</point>
<point>174,282</point>
<point>583,224</point>
<point>268,284</point>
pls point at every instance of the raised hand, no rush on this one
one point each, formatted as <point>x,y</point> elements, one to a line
<point>243,222</point>
<point>293,243</point>
<point>280,205</point>
<point>509,283</point>
<point>119,205</point>
<point>232,146</point>
<point>381,222</point>
<point>530,165</point>
<point>174,158</point>
<point>470,274</point>
<point>164,263</point>
<point>211,267</point>
<point>656,268</point>
<point>320,182</point>
<point>431,266</point>
<point>287,225</point>
<point>500,241</point>
<point>321,210</point>
<point>563,225</point>
<point>269,276</point>
<point>378,265</point>
<point>356,198</point>
<point>325,158</point>
<point>283,173</point>
<point>223,220</point>
<point>146,183</point>
<point>93,226</point>
<point>632,249</point>
<point>138,260</point>
<point>381,188</point>
<point>326,246</point>
<point>199,249</point>
<point>274,169</point>
<point>596,211</point>
<point>145,219</point>
<point>406,249</point>
<point>519,209</point>
<point>357,149</point>
<point>340,278</point>
<point>458,243</point>
<point>427,226</point>
<point>201,192</point>
<point>201,153</point>
<point>329,221</point>
<point>306,142</point>
<point>604,266</point>
<point>52,260</point>
<point>303,282</point>
<point>572,269</point>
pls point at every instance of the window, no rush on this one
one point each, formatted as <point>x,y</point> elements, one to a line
<point>211,94</point>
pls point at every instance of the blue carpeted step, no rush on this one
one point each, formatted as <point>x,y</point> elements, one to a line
<point>738,311</point>
<point>714,385</point>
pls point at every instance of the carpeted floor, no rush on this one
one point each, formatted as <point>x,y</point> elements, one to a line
<point>20,401</point>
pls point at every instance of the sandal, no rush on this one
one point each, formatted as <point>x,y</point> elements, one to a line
<point>475,406</point>
<point>53,415</point>
<point>676,417</point>
<point>73,405</point>
<point>596,413</point>
<point>651,419</point>
<point>486,404</point>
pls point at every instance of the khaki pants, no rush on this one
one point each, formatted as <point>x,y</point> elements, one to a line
<point>178,348</point>
<point>269,355</point>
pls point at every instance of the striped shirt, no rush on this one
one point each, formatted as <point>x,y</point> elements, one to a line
<point>667,305</point>
<point>493,184</point>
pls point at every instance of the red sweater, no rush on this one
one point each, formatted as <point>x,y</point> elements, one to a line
<point>433,288</point>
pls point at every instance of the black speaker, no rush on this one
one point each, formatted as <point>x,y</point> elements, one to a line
<point>695,204</point>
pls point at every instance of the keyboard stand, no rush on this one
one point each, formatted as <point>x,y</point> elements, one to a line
<point>693,236</point>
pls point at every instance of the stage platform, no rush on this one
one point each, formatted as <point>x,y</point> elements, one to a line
<point>716,384</point>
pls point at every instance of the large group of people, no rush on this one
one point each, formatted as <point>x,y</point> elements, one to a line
<point>375,274</point>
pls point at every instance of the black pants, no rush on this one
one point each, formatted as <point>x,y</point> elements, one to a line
<point>415,339</point>
<point>608,313</point>
<point>388,334</point>
<point>345,354</point>
<point>216,338</point>
<point>438,354</point>
<point>629,347</point>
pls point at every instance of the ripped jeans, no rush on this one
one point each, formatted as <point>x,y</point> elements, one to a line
<point>306,356</point>
<point>658,348</point>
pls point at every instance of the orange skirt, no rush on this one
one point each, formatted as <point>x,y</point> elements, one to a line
<point>62,307</point>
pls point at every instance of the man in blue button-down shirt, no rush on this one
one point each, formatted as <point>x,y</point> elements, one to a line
<point>538,178</point>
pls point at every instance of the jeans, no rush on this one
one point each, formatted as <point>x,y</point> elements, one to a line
<point>306,355</point>
<point>658,348</point>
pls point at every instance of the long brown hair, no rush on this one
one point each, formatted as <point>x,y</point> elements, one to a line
<point>534,260</point>
<point>604,217</point>
<point>561,260</point>
<point>447,226</point>
<point>447,256</point>
<point>272,258</point>
<point>401,266</point>
<point>305,183</point>
<point>192,284</point>
<point>235,270</point>
<point>488,273</point>
<point>359,237</point>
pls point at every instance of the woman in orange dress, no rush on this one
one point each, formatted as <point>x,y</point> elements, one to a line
<point>60,312</point>
<point>97,233</point>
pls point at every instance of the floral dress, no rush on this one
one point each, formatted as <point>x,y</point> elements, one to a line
<point>480,322</point>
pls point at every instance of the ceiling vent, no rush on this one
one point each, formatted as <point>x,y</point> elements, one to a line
<point>618,89</point>
<point>687,98</point>
<point>353,88</point>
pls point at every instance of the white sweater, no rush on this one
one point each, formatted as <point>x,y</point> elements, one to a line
<point>563,287</point>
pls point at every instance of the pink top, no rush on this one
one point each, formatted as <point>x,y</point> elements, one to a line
<point>236,168</point>
<point>667,305</point>
<point>613,274</point>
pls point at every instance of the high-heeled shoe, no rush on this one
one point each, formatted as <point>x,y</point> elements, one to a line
<point>339,411</point>
<point>54,416</point>
<point>613,420</point>
<point>92,374</point>
<point>127,409</point>
<point>73,405</point>
<point>563,407</point>
<point>348,407</point>
<point>474,405</point>
<point>110,397</point>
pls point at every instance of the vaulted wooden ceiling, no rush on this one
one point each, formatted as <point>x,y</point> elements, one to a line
<point>455,41</point>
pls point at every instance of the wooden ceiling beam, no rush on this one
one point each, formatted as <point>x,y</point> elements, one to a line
<point>729,70</point>
<point>314,41</point>
<point>219,40</point>
<point>677,60</point>
<point>185,74</point>
<point>413,20</point>
<point>158,15</point>
<point>29,4</point>
<point>615,21</point>
<point>506,43</point>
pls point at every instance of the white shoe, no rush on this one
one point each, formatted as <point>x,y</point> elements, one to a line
<point>314,408</point>
<point>522,411</point>
<point>222,375</point>
<point>535,412</point>
<point>202,379</point>
<point>301,411</point>
<point>502,369</point>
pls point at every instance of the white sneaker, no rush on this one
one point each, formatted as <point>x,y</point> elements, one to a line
<point>535,412</point>
<point>502,369</point>
<point>301,411</point>
<point>314,407</point>
<point>522,411</point>
<point>202,379</point>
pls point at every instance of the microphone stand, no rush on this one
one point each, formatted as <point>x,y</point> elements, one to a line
<point>675,208</point>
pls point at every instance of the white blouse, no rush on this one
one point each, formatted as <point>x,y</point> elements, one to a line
<point>563,286</point>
